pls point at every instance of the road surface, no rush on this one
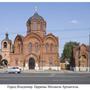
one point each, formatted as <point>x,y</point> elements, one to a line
<point>45,78</point>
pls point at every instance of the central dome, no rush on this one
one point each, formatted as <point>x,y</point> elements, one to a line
<point>36,16</point>
<point>36,24</point>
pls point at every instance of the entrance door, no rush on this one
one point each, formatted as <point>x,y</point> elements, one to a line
<point>4,62</point>
<point>31,63</point>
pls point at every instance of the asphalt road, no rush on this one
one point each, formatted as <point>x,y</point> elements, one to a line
<point>45,78</point>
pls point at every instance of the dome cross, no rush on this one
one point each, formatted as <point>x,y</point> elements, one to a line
<point>36,8</point>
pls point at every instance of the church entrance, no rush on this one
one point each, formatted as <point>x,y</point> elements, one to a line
<point>4,62</point>
<point>31,63</point>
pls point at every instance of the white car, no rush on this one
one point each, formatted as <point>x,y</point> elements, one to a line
<point>13,70</point>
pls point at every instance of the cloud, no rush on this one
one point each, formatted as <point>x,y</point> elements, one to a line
<point>74,21</point>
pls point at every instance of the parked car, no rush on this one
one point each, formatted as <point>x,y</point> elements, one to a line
<point>13,70</point>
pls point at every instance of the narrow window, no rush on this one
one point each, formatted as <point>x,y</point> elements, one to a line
<point>16,62</point>
<point>50,61</point>
<point>30,46</point>
<point>47,45</point>
<point>34,26</point>
<point>44,28</point>
<point>36,47</point>
<point>51,47</point>
<point>5,45</point>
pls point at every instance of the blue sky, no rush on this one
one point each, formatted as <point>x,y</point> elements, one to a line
<point>68,21</point>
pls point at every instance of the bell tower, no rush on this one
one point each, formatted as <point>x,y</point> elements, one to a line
<point>6,45</point>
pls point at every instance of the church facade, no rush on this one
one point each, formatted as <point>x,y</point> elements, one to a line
<point>36,50</point>
<point>81,58</point>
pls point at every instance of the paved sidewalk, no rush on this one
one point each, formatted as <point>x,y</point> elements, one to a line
<point>44,71</point>
<point>2,70</point>
<point>48,71</point>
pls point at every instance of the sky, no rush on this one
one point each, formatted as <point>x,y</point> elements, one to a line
<point>68,21</point>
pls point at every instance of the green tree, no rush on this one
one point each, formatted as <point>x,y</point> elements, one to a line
<point>68,50</point>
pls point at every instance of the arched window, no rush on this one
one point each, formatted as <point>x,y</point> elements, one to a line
<point>34,25</point>
<point>18,47</point>
<point>30,46</point>
<point>44,27</point>
<point>36,47</point>
<point>5,45</point>
<point>41,25</point>
<point>19,44</point>
<point>16,61</point>
<point>50,61</point>
<point>39,28</point>
<point>51,47</point>
<point>47,46</point>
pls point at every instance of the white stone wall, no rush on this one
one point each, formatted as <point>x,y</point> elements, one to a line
<point>50,68</point>
<point>81,69</point>
<point>37,68</point>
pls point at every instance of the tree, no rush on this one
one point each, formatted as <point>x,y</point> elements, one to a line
<point>67,55</point>
<point>68,51</point>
